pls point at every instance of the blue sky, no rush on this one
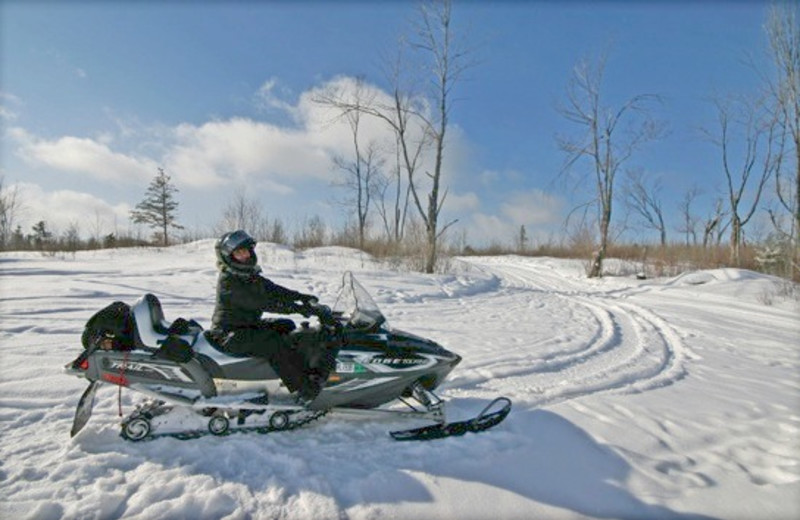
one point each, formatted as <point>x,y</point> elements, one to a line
<point>95,96</point>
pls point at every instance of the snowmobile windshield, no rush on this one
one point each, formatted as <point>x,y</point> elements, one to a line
<point>357,306</point>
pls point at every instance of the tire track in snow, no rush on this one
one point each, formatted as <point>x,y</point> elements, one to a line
<point>629,349</point>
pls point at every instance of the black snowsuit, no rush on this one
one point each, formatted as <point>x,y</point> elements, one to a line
<point>239,329</point>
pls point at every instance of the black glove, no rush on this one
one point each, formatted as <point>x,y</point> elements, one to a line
<point>309,299</point>
<point>325,315</point>
<point>304,310</point>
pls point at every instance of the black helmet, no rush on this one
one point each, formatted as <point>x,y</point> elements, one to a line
<point>230,242</point>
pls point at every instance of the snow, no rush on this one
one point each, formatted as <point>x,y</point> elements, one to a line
<point>661,398</point>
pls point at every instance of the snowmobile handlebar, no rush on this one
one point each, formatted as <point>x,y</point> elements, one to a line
<point>324,314</point>
<point>312,307</point>
<point>308,308</point>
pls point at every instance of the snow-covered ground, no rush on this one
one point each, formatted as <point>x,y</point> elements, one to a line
<point>666,398</point>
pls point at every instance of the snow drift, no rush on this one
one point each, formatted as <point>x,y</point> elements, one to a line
<point>664,398</point>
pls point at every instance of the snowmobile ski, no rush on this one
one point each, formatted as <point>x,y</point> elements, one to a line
<point>482,422</point>
<point>84,410</point>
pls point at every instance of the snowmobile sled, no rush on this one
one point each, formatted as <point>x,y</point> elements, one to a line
<point>193,387</point>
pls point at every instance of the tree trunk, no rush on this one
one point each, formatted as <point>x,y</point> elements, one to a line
<point>599,256</point>
<point>736,238</point>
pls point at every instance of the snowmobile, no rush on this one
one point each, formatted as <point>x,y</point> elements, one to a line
<point>193,388</point>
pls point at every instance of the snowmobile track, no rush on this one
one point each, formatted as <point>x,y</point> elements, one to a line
<point>626,348</point>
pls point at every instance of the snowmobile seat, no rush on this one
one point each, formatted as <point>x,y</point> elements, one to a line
<point>156,314</point>
<point>150,325</point>
<point>151,329</point>
<point>214,339</point>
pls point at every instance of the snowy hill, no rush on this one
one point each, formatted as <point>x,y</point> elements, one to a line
<point>632,399</point>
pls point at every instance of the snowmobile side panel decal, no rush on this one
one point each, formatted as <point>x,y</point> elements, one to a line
<point>349,367</point>
<point>360,362</point>
<point>238,386</point>
<point>115,379</point>
<point>167,372</point>
<point>360,384</point>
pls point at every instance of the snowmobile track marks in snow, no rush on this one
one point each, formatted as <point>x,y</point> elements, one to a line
<point>628,349</point>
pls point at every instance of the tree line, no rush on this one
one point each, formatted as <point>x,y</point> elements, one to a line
<point>757,138</point>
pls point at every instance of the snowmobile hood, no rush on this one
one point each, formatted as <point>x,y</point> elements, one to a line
<point>398,339</point>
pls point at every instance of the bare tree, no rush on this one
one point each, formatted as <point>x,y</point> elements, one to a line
<point>689,221</point>
<point>402,115</point>
<point>277,232</point>
<point>748,132</point>
<point>311,234</point>
<point>607,140</point>
<point>419,124</point>
<point>391,202</point>
<point>362,171</point>
<point>643,198</point>
<point>95,230</point>
<point>405,117</point>
<point>411,141</point>
<point>449,61</point>
<point>10,207</point>
<point>783,31</point>
<point>71,239</point>
<point>242,212</point>
<point>158,208</point>
<point>361,182</point>
<point>715,224</point>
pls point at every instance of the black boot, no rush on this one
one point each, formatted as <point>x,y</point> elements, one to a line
<point>311,387</point>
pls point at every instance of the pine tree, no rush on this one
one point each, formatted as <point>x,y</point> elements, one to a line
<point>41,236</point>
<point>158,208</point>
<point>522,240</point>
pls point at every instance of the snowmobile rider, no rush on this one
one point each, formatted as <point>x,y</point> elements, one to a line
<point>242,296</point>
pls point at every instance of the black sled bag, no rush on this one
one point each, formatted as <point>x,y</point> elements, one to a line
<point>110,328</point>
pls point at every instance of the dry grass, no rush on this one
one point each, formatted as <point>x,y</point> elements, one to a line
<point>649,261</point>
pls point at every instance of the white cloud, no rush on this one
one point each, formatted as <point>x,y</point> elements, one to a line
<point>456,203</point>
<point>240,149</point>
<point>533,208</point>
<point>7,100</point>
<point>538,211</point>
<point>62,208</point>
<point>278,158</point>
<point>7,114</point>
<point>9,97</point>
<point>83,156</point>
<point>273,158</point>
<point>331,131</point>
<point>483,229</point>
<point>271,95</point>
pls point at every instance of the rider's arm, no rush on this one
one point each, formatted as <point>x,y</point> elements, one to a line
<point>282,299</point>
